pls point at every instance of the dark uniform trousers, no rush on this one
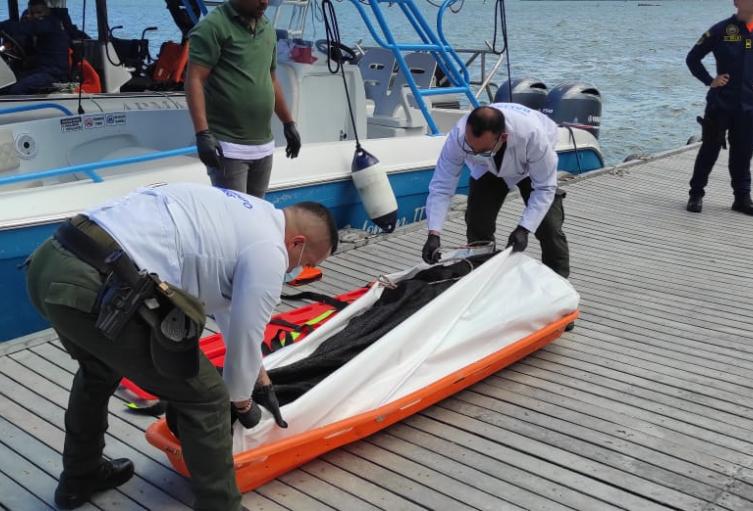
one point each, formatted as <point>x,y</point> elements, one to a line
<point>485,198</point>
<point>738,124</point>
<point>64,289</point>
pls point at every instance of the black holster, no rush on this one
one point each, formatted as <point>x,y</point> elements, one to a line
<point>712,130</point>
<point>124,293</point>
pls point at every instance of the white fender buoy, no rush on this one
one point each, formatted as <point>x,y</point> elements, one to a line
<point>374,189</point>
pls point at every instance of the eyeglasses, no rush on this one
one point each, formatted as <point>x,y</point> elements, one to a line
<point>467,149</point>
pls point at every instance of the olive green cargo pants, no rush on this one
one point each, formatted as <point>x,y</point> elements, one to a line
<point>64,289</point>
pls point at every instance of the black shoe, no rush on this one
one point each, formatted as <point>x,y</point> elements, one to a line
<point>743,205</point>
<point>695,204</point>
<point>570,327</point>
<point>72,493</point>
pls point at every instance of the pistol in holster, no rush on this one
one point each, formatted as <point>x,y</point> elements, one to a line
<point>712,130</point>
<point>124,292</point>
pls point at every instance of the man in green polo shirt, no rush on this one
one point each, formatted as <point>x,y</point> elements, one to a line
<point>232,91</point>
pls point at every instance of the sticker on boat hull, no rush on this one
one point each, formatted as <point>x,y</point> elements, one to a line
<point>69,124</point>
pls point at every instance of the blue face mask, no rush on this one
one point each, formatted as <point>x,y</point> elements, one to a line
<point>292,274</point>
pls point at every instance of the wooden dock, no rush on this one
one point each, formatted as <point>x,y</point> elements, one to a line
<point>646,405</point>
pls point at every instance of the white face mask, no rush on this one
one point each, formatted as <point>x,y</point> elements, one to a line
<point>297,269</point>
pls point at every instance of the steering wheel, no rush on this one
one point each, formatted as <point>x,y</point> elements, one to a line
<point>338,52</point>
<point>13,52</point>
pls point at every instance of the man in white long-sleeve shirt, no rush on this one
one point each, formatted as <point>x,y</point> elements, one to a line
<point>503,145</point>
<point>232,251</point>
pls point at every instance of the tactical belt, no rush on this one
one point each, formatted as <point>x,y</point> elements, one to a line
<point>88,241</point>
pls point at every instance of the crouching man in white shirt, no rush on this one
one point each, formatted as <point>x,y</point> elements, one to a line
<point>503,145</point>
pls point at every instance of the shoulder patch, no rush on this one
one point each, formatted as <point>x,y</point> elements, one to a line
<point>705,36</point>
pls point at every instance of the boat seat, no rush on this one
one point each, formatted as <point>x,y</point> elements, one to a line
<point>377,66</point>
<point>168,71</point>
<point>395,112</point>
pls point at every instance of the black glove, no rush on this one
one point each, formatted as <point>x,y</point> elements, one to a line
<point>430,253</point>
<point>293,138</point>
<point>266,397</point>
<point>209,149</point>
<point>249,419</point>
<point>518,239</point>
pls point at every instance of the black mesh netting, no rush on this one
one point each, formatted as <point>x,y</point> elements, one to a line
<point>392,308</point>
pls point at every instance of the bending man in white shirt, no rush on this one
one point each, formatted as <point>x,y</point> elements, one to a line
<point>503,145</point>
<point>230,250</point>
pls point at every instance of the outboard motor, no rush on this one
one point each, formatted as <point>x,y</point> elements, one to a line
<point>529,92</point>
<point>375,190</point>
<point>575,104</point>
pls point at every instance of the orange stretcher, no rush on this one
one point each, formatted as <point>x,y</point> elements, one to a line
<point>260,465</point>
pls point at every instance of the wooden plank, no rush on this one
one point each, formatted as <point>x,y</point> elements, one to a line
<point>654,370</point>
<point>484,439</point>
<point>324,492</point>
<point>680,373</point>
<point>626,404</point>
<point>116,445</point>
<point>64,379</point>
<point>626,472</point>
<point>412,446</point>
<point>291,498</point>
<point>30,477</point>
<point>686,227</point>
<point>717,358</point>
<point>50,462</point>
<point>526,488</point>
<point>427,469</point>
<point>546,392</point>
<point>621,427</point>
<point>651,323</point>
<point>27,341</point>
<point>355,485</point>
<point>650,368</point>
<point>15,497</point>
<point>582,222</point>
<point>645,388</point>
<point>598,322</point>
<point>600,258</point>
<point>618,453</point>
<point>256,502</point>
<point>668,289</point>
<point>416,493</point>
<point>659,347</point>
<point>666,303</point>
<point>139,488</point>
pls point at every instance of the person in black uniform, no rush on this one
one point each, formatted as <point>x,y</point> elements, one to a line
<point>729,105</point>
<point>50,40</point>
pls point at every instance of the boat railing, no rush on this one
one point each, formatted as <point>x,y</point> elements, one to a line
<point>90,169</point>
<point>433,41</point>
<point>483,65</point>
<point>35,106</point>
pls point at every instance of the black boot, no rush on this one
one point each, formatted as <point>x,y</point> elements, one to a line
<point>743,205</point>
<point>72,493</point>
<point>695,204</point>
